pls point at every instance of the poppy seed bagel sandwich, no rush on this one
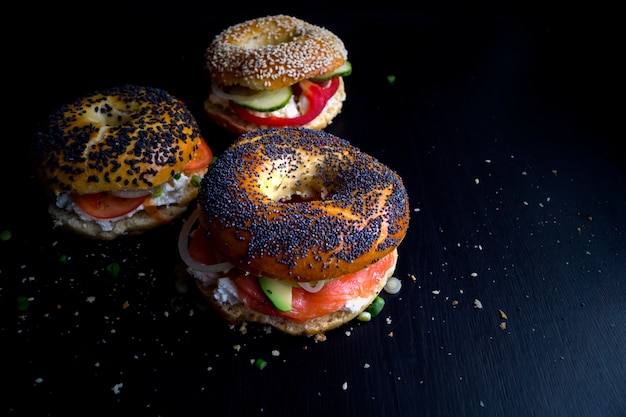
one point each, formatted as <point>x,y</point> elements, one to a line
<point>119,161</point>
<point>296,228</point>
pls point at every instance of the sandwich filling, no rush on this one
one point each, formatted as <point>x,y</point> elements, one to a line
<point>295,105</point>
<point>296,301</point>
<point>106,208</point>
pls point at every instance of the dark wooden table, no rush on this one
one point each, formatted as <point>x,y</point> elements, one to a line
<point>505,126</point>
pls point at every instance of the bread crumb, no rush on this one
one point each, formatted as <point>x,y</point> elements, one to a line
<point>477,303</point>
<point>320,337</point>
<point>502,314</point>
<point>503,325</point>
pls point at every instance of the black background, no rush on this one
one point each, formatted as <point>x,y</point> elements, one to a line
<point>505,124</point>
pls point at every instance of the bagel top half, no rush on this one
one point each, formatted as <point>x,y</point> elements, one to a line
<point>272,52</point>
<point>123,138</point>
<point>302,205</point>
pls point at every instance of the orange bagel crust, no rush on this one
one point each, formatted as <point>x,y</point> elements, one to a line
<point>271,52</point>
<point>123,138</point>
<point>302,205</point>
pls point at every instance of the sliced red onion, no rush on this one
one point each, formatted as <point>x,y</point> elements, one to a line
<point>183,249</point>
<point>307,286</point>
<point>215,88</point>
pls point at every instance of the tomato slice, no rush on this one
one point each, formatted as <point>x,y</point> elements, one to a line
<point>306,305</point>
<point>106,205</point>
<point>318,95</point>
<point>201,159</point>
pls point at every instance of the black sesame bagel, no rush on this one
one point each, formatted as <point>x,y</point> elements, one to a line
<point>272,52</point>
<point>301,205</point>
<point>123,138</point>
<point>119,152</point>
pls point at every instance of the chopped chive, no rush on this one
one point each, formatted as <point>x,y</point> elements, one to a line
<point>260,364</point>
<point>63,259</point>
<point>365,316</point>
<point>177,303</point>
<point>157,192</point>
<point>196,180</point>
<point>376,307</point>
<point>113,269</point>
<point>5,235</point>
<point>22,303</point>
<point>393,285</point>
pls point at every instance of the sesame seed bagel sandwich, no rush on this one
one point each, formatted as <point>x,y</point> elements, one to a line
<point>119,161</point>
<point>276,71</point>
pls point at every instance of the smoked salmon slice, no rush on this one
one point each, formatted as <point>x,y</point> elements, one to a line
<point>332,297</point>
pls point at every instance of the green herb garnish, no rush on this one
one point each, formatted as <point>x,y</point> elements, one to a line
<point>260,364</point>
<point>113,269</point>
<point>376,307</point>
<point>196,180</point>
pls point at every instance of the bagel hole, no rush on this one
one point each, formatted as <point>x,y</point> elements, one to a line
<point>267,40</point>
<point>112,116</point>
<point>296,181</point>
<point>304,194</point>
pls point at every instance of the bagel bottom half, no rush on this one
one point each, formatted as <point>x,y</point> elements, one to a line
<point>219,111</point>
<point>128,226</point>
<point>137,223</point>
<point>238,313</point>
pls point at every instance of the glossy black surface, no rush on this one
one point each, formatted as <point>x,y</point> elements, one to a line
<point>503,124</point>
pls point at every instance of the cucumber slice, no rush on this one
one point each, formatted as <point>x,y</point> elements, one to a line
<point>278,292</point>
<point>263,100</point>
<point>342,71</point>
